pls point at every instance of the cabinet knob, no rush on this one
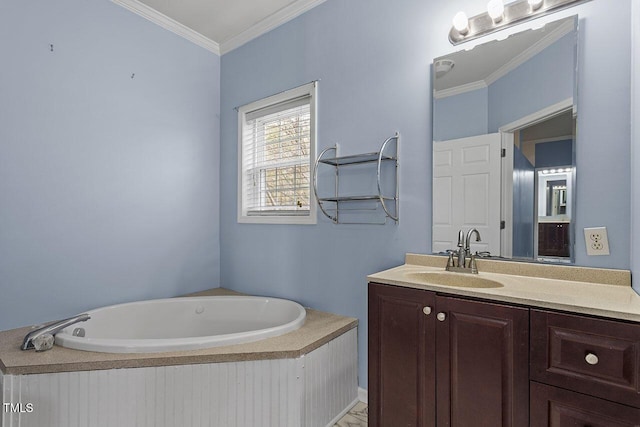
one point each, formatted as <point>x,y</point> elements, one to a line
<point>441,317</point>
<point>591,359</point>
<point>426,310</point>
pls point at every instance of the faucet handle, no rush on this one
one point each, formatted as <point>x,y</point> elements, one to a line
<point>43,342</point>
<point>450,261</point>
<point>472,264</point>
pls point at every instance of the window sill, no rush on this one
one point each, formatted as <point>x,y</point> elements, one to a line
<point>278,219</point>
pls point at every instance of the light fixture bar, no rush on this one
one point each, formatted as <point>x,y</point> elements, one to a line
<point>514,13</point>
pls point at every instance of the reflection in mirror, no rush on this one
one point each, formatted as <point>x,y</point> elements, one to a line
<point>504,145</point>
<point>543,169</point>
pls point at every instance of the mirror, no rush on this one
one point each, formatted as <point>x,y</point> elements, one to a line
<point>504,121</point>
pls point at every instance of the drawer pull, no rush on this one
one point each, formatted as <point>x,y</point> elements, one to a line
<point>441,317</point>
<point>591,359</point>
<point>426,310</point>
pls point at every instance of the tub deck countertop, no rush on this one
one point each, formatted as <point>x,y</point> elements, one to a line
<point>319,328</point>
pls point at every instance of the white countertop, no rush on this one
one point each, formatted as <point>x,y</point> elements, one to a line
<point>599,292</point>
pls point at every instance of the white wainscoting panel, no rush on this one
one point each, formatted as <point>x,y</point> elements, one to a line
<point>330,391</point>
<point>308,391</point>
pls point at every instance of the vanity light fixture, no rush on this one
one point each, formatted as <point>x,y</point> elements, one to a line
<point>554,171</point>
<point>535,4</point>
<point>495,9</point>
<point>461,23</point>
<point>500,16</point>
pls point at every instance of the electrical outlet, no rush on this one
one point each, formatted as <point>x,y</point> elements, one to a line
<point>596,240</point>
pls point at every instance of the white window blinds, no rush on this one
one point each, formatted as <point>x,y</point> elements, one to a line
<point>276,153</point>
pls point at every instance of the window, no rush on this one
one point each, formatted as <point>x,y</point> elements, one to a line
<point>276,145</point>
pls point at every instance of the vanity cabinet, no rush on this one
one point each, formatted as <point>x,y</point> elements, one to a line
<point>440,360</point>
<point>553,239</point>
<point>585,371</point>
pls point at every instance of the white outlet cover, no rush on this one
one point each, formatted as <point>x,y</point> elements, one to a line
<point>596,241</point>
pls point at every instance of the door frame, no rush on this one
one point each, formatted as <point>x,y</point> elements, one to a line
<point>507,137</point>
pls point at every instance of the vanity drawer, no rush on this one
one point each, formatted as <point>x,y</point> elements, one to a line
<point>556,407</point>
<point>592,356</point>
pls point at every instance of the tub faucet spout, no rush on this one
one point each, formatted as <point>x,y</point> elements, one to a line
<point>42,338</point>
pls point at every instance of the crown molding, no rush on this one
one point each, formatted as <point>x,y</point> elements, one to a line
<point>458,90</point>
<point>531,51</point>
<point>167,23</point>
<point>269,23</point>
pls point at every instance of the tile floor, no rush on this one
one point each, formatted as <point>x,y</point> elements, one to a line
<point>357,416</point>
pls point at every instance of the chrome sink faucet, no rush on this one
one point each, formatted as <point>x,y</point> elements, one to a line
<point>464,250</point>
<point>467,246</point>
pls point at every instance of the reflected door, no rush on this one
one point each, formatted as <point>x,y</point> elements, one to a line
<point>466,191</point>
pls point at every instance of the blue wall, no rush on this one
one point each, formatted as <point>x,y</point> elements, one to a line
<point>555,153</point>
<point>374,64</point>
<point>373,59</point>
<point>461,115</point>
<point>108,183</point>
<point>635,139</point>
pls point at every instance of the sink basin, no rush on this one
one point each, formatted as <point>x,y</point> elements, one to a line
<point>458,280</point>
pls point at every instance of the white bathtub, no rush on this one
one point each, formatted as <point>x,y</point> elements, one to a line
<point>176,324</point>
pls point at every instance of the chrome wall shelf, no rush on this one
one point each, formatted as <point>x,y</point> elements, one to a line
<point>354,209</point>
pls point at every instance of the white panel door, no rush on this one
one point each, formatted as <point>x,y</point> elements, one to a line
<point>466,192</point>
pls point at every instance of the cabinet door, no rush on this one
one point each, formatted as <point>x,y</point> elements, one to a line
<point>482,364</point>
<point>556,407</point>
<point>401,362</point>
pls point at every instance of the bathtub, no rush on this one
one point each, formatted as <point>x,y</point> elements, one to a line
<point>309,378</point>
<point>188,323</point>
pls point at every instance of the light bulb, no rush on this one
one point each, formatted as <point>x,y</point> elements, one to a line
<point>495,9</point>
<point>535,4</point>
<point>461,22</point>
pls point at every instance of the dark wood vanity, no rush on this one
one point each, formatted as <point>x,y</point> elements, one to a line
<point>553,239</point>
<point>437,359</point>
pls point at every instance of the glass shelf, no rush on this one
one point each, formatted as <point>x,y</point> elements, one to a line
<point>353,198</point>
<point>355,159</point>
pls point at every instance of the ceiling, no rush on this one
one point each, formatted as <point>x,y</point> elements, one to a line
<point>219,25</point>
<point>560,126</point>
